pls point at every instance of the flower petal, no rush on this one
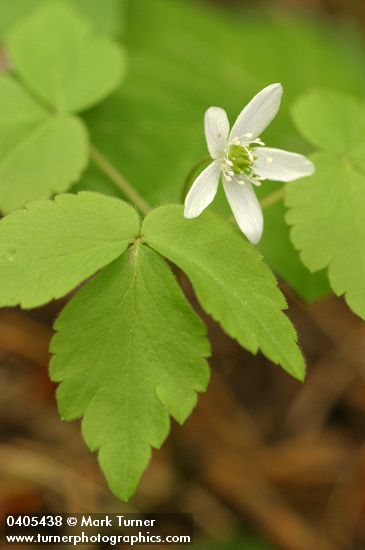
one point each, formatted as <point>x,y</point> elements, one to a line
<point>257,114</point>
<point>203,191</point>
<point>216,130</point>
<point>246,209</point>
<point>279,165</point>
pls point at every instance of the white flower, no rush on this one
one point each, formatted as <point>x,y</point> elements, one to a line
<point>241,159</point>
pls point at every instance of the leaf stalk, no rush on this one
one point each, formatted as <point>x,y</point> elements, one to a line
<point>273,198</point>
<point>119,180</point>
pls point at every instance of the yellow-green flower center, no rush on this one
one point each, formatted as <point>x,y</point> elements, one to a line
<point>240,159</point>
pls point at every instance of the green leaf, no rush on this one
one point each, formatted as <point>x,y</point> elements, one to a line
<point>105,16</point>
<point>230,280</point>
<point>129,351</point>
<point>327,212</point>
<point>281,255</point>
<point>62,62</point>
<point>40,154</point>
<point>331,121</point>
<point>50,247</point>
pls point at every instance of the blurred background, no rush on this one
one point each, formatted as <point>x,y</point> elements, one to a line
<point>264,462</point>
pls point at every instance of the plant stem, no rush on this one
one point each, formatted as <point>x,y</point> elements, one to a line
<point>273,198</point>
<point>191,174</point>
<point>120,181</point>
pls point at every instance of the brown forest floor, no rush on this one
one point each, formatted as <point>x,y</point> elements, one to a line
<point>260,450</point>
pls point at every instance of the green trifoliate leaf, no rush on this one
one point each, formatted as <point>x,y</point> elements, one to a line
<point>61,61</point>
<point>230,280</point>
<point>43,152</point>
<point>40,154</point>
<point>50,247</point>
<point>129,351</point>
<point>327,211</point>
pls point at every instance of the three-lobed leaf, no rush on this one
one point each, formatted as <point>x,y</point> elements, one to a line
<point>50,247</point>
<point>231,281</point>
<point>129,351</point>
<point>62,61</point>
<point>327,211</point>
<point>44,147</point>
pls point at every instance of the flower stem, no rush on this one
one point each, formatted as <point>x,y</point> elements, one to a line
<point>120,181</point>
<point>188,180</point>
<point>273,198</point>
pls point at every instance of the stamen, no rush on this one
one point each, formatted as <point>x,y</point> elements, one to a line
<point>256,180</point>
<point>249,153</point>
<point>258,141</point>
